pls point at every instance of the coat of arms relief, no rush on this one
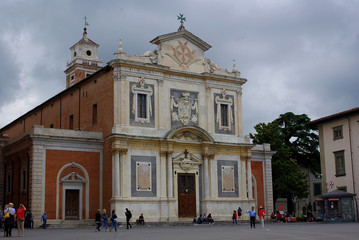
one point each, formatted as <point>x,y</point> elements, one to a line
<point>187,109</point>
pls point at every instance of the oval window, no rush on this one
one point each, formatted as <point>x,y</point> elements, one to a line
<point>88,52</point>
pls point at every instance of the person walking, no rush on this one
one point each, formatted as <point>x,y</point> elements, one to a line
<point>128,217</point>
<point>239,212</point>
<point>252,216</point>
<point>98,220</point>
<point>261,215</point>
<point>44,220</point>
<point>10,219</point>
<point>234,217</point>
<point>104,219</point>
<point>114,220</point>
<point>20,218</point>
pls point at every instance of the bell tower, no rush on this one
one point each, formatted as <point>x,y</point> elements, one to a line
<point>84,60</point>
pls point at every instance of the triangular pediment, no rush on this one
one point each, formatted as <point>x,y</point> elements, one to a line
<point>181,50</point>
<point>182,34</point>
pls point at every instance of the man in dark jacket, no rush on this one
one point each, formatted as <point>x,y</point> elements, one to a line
<point>128,217</point>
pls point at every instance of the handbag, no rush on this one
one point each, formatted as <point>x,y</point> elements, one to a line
<point>7,214</point>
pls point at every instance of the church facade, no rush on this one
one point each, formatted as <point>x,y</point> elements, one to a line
<point>160,134</point>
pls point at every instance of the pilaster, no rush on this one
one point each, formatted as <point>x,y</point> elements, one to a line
<point>2,170</point>
<point>37,176</point>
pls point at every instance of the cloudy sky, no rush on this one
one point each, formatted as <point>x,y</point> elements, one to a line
<point>297,55</point>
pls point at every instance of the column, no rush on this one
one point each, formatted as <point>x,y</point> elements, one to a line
<point>169,175</point>
<point>116,173</point>
<point>2,171</point>
<point>163,180</point>
<point>249,178</point>
<point>213,176</point>
<point>125,174</point>
<point>37,181</point>
<point>205,176</point>
<point>243,177</point>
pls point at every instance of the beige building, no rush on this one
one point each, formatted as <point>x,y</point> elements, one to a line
<point>339,152</point>
<point>159,133</point>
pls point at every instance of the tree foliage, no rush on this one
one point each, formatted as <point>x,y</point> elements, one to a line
<point>296,145</point>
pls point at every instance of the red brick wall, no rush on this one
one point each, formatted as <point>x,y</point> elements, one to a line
<point>98,89</point>
<point>18,161</point>
<point>55,160</point>
<point>257,172</point>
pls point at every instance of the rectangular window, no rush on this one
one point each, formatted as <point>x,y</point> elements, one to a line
<point>317,189</point>
<point>224,115</point>
<point>337,132</point>
<point>339,163</point>
<point>71,121</point>
<point>343,188</point>
<point>51,125</point>
<point>94,114</point>
<point>141,105</point>
<point>23,178</point>
<point>8,190</point>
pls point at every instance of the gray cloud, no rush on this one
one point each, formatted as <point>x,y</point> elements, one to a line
<point>299,56</point>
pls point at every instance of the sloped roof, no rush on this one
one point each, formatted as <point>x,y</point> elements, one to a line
<point>85,40</point>
<point>185,34</point>
<point>335,116</point>
<point>337,194</point>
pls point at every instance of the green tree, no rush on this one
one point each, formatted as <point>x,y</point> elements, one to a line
<point>296,144</point>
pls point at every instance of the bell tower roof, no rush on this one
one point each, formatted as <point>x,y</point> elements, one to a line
<point>84,60</point>
<point>85,40</point>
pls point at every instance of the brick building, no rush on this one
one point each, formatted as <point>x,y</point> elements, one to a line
<point>160,133</point>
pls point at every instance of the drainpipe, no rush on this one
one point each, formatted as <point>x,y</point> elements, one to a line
<point>351,160</point>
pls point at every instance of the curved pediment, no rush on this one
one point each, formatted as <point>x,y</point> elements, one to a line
<point>189,134</point>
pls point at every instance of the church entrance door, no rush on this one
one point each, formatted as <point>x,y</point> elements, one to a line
<point>186,195</point>
<point>72,204</point>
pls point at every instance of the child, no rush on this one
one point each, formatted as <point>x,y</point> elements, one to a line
<point>44,218</point>
<point>104,219</point>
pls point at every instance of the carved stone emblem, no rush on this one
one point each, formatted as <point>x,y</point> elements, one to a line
<point>182,54</point>
<point>185,106</point>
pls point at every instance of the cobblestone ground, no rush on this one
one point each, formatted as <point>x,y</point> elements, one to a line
<point>208,232</point>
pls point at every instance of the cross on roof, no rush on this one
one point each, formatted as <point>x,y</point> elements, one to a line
<point>181,18</point>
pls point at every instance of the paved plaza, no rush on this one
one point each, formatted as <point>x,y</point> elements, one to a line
<point>194,232</point>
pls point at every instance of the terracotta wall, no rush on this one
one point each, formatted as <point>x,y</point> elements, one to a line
<point>55,160</point>
<point>257,171</point>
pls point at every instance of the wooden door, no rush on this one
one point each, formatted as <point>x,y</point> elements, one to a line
<point>72,204</point>
<point>186,195</point>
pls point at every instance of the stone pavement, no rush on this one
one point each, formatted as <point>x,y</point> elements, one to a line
<point>273,231</point>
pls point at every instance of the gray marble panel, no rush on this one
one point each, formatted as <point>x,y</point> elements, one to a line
<point>134,192</point>
<point>221,163</point>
